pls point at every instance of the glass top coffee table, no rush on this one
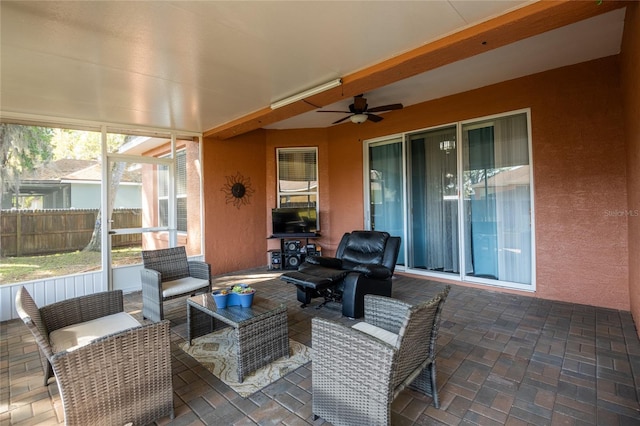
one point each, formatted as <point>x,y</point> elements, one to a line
<point>261,331</point>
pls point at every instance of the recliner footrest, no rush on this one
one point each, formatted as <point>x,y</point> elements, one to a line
<point>306,280</point>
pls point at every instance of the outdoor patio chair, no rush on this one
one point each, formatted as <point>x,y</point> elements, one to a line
<point>109,368</point>
<point>358,371</point>
<point>168,274</point>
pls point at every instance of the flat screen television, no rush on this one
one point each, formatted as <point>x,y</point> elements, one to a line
<point>294,221</point>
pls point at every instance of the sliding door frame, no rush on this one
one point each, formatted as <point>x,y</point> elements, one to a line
<point>461,275</point>
<point>390,139</point>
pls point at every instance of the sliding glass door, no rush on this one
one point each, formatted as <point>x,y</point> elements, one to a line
<point>433,197</point>
<point>468,199</point>
<point>497,199</point>
<point>385,192</point>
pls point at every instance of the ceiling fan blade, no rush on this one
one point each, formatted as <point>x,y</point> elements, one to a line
<point>385,108</point>
<point>341,120</point>
<point>325,110</point>
<point>374,118</point>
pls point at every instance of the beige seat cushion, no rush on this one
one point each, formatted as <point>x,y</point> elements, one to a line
<point>182,286</point>
<point>81,334</point>
<point>377,332</point>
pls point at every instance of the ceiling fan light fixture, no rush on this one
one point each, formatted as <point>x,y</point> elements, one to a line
<point>358,118</point>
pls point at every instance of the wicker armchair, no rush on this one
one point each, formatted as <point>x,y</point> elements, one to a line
<point>42,321</point>
<point>356,376</point>
<point>122,377</point>
<point>168,274</point>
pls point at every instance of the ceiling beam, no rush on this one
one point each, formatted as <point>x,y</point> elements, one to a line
<point>511,27</point>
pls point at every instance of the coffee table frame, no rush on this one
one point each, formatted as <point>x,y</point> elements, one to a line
<point>261,331</point>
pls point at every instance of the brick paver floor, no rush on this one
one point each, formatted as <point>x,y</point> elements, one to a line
<point>502,359</point>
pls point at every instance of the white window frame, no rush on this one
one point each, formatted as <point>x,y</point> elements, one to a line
<point>316,192</point>
<point>180,154</point>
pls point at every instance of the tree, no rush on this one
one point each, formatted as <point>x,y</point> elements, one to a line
<point>25,148</point>
<point>22,149</point>
<point>83,145</point>
<point>116,172</point>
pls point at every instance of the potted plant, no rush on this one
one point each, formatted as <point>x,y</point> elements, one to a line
<point>221,297</point>
<point>238,295</point>
<point>243,294</point>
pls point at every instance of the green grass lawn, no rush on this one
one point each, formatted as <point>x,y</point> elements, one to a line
<point>28,268</point>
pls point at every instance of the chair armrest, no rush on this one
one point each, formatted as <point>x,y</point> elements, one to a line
<point>151,276</point>
<point>117,379</point>
<point>339,369</point>
<point>81,309</point>
<point>374,271</point>
<point>32,318</point>
<point>151,281</point>
<point>152,307</point>
<point>200,269</point>
<point>42,339</point>
<point>385,312</point>
<point>327,262</point>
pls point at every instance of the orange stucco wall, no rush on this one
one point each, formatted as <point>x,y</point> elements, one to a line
<point>579,177</point>
<point>295,138</point>
<point>235,235</point>
<point>630,64</point>
<point>579,173</point>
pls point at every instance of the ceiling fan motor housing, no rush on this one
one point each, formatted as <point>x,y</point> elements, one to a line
<point>359,111</point>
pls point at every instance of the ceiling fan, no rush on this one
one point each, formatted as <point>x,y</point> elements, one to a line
<point>359,111</point>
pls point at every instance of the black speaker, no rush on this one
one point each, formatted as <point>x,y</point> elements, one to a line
<point>292,247</point>
<point>276,260</point>
<point>292,261</point>
<point>311,250</point>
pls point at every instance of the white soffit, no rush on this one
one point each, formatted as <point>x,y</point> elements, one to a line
<point>195,65</point>
<point>583,41</point>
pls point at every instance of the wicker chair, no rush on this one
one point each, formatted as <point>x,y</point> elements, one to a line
<point>123,377</point>
<point>168,274</point>
<point>356,376</point>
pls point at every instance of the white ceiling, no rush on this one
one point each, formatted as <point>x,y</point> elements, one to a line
<point>195,65</point>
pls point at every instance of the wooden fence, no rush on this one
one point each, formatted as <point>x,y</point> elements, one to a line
<point>34,232</point>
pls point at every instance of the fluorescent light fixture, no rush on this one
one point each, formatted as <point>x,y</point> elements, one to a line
<point>358,118</point>
<point>303,95</point>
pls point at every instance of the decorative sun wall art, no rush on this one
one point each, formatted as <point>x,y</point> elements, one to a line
<point>237,190</point>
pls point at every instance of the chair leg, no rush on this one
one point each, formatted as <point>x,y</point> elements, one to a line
<point>426,383</point>
<point>48,371</point>
<point>322,304</point>
<point>434,389</point>
<point>304,296</point>
<point>330,295</point>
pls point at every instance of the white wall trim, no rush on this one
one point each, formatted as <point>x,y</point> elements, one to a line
<point>56,289</point>
<point>50,290</point>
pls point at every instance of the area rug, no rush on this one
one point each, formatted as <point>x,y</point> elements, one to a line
<point>216,352</point>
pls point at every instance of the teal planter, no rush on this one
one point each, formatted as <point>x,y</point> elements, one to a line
<point>233,299</point>
<point>222,300</point>
<point>245,300</point>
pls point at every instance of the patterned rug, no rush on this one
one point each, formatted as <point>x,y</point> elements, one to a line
<point>216,352</point>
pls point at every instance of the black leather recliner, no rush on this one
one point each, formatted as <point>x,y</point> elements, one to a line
<point>364,264</point>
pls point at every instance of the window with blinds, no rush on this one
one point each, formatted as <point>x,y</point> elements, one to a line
<point>181,192</point>
<point>298,177</point>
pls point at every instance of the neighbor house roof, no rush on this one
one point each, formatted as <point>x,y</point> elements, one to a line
<point>75,170</point>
